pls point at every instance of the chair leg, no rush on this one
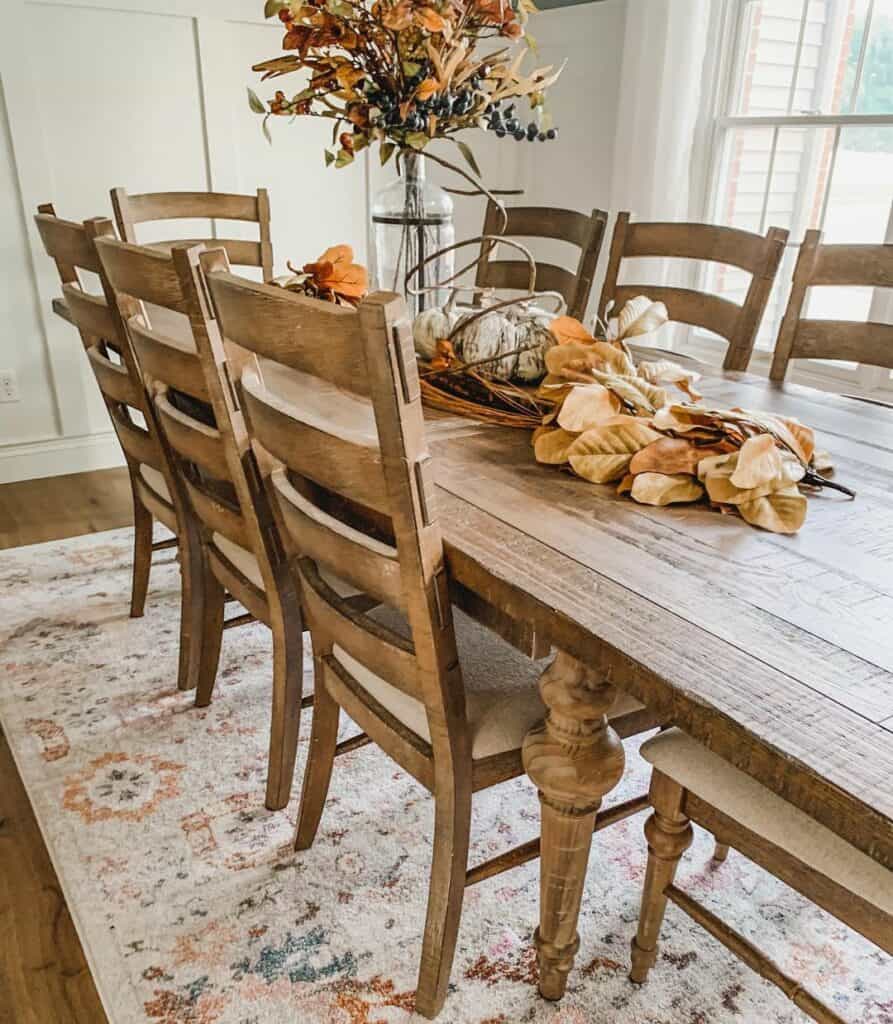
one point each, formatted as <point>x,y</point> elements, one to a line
<point>452,829</point>
<point>142,557</point>
<point>191,607</point>
<point>720,852</point>
<point>211,632</point>
<point>669,834</point>
<point>320,759</point>
<point>288,687</point>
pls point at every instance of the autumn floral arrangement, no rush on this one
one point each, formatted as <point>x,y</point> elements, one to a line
<point>401,73</point>
<point>612,421</point>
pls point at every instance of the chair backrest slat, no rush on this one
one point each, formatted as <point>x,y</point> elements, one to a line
<point>586,232</point>
<point>379,649</point>
<point>758,255</point>
<point>113,379</point>
<point>348,463</point>
<point>90,312</point>
<point>868,266</point>
<point>699,309</point>
<point>137,442</point>
<point>218,516</point>
<point>277,325</point>
<point>143,273</point>
<point>66,242</point>
<point>512,274</point>
<point>819,265</point>
<point>369,564</point>
<point>131,210</point>
<point>193,440</point>
<point>379,538</point>
<point>170,359</point>
<point>694,241</point>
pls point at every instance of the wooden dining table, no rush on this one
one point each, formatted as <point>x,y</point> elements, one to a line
<point>774,651</point>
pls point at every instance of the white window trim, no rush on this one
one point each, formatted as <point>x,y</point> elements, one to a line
<point>729,19</point>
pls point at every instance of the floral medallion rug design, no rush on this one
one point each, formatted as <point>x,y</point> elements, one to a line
<point>193,908</point>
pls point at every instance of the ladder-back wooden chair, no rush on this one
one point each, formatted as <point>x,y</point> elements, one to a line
<point>152,482</point>
<point>131,210</point>
<point>345,461</point>
<point>758,255</point>
<point>586,232</point>
<point>818,265</point>
<point>692,784</point>
<point>239,549</point>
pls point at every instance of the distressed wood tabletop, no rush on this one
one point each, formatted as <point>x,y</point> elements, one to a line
<point>776,652</point>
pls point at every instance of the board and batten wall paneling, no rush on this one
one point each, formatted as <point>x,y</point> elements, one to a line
<point>150,95</point>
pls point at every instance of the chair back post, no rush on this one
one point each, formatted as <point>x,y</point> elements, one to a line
<point>592,247</point>
<point>266,241</point>
<point>760,288</point>
<point>396,398</point>
<point>123,215</point>
<point>612,271</point>
<point>803,272</point>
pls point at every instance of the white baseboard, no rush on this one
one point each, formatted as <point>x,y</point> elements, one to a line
<point>58,456</point>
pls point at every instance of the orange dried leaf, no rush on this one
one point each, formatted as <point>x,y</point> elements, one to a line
<point>569,331</point>
<point>428,19</point>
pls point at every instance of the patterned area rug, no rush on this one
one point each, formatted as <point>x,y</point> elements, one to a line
<point>194,909</point>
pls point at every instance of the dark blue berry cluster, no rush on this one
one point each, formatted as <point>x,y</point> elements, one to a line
<point>504,122</point>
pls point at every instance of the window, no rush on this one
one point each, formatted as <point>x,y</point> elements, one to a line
<point>803,138</point>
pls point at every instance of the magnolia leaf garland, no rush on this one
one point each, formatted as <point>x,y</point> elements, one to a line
<point>613,422</point>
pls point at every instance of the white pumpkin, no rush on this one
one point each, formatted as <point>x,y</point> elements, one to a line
<point>429,327</point>
<point>533,337</point>
<point>487,337</point>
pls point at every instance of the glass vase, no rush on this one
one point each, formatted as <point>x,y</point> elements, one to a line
<point>412,219</point>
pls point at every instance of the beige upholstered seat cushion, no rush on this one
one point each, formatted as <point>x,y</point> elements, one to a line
<point>502,700</point>
<point>767,814</point>
<point>155,482</point>
<point>246,562</point>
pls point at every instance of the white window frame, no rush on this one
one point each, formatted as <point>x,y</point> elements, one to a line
<point>730,20</point>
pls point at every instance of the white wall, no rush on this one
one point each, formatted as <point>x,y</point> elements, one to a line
<point>150,95</point>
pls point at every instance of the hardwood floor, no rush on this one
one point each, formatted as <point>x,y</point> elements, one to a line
<point>44,978</point>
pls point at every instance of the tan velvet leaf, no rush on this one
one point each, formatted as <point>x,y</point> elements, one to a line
<point>782,511</point>
<point>717,478</point>
<point>665,371</point>
<point>759,462</point>
<point>551,447</point>
<point>822,463</point>
<point>603,454</point>
<point>587,406</point>
<point>640,316</point>
<point>665,489</point>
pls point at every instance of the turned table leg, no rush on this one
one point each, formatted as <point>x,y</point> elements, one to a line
<point>574,758</point>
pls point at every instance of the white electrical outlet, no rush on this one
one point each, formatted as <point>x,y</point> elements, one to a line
<point>9,386</point>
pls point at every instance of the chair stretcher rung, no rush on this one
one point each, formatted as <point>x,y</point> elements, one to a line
<point>755,958</point>
<point>530,851</point>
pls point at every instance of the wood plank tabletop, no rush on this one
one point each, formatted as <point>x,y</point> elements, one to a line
<point>777,652</point>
